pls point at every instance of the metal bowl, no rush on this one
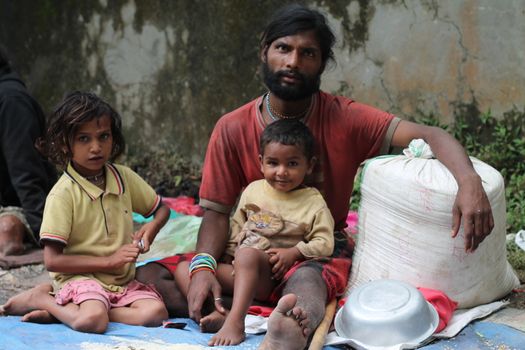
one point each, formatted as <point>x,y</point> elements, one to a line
<point>386,313</point>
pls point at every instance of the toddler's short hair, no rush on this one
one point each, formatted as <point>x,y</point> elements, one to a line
<point>290,132</point>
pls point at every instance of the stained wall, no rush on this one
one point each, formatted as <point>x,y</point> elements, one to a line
<point>172,68</point>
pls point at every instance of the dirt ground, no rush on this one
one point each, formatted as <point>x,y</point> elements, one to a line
<point>16,280</point>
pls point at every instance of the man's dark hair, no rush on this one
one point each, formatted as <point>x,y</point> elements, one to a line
<point>295,18</point>
<point>76,109</point>
<point>291,132</point>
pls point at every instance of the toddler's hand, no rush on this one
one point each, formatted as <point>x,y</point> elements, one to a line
<point>282,259</point>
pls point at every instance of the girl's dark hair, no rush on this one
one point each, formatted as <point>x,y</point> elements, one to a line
<point>291,132</point>
<point>76,109</point>
<point>295,18</point>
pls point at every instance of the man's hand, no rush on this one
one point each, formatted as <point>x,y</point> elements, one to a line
<point>202,284</point>
<point>282,259</point>
<point>473,208</point>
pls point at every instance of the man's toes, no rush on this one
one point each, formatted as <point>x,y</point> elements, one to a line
<point>286,303</point>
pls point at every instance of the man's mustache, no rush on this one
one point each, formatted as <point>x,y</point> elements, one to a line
<point>290,74</point>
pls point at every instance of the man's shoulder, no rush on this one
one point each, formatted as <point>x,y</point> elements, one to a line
<point>14,96</point>
<point>12,87</point>
<point>328,98</point>
<point>240,115</point>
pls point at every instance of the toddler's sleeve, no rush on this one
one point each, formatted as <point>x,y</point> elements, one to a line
<point>320,240</point>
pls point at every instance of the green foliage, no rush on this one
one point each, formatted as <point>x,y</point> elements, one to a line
<point>165,169</point>
<point>516,258</point>
<point>356,194</point>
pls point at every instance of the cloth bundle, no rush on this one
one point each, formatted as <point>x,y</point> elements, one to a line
<point>405,220</point>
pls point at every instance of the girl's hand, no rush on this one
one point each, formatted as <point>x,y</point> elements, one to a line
<point>282,259</point>
<point>126,254</point>
<point>146,234</point>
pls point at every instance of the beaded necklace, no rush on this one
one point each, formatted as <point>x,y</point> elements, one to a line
<point>276,116</point>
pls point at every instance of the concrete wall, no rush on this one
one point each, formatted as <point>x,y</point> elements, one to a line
<point>173,67</point>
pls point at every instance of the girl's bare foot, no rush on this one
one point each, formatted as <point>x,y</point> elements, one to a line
<point>287,326</point>
<point>25,302</point>
<point>39,316</point>
<point>231,333</point>
<point>212,322</point>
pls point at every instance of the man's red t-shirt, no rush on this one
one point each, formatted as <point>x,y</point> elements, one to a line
<point>346,134</point>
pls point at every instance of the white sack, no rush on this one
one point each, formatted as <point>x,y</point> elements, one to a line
<point>405,220</point>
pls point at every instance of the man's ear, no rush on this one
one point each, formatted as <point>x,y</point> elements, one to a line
<point>264,53</point>
<point>323,66</point>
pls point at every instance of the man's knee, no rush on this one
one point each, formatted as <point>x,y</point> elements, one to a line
<point>307,282</point>
<point>11,225</point>
<point>12,232</point>
<point>152,273</point>
<point>307,275</point>
<point>164,282</point>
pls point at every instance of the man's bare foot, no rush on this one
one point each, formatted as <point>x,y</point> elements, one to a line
<point>212,322</point>
<point>39,316</point>
<point>231,333</point>
<point>287,326</point>
<point>25,302</point>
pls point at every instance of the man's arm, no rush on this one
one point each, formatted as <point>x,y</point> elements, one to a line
<point>213,235</point>
<point>471,205</point>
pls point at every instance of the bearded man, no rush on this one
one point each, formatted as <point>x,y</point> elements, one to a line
<point>294,50</point>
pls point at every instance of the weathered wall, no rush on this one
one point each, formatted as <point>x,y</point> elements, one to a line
<point>173,67</point>
<point>433,55</point>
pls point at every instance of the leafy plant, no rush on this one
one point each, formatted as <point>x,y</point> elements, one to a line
<point>166,170</point>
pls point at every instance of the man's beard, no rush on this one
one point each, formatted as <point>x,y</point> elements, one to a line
<point>308,84</point>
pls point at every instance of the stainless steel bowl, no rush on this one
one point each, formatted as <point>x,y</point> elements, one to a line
<point>386,313</point>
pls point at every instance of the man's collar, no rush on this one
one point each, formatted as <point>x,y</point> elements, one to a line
<point>114,183</point>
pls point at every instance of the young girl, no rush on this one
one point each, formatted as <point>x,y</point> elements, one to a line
<point>87,229</point>
<point>278,222</point>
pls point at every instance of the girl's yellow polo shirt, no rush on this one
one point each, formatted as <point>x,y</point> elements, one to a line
<point>90,221</point>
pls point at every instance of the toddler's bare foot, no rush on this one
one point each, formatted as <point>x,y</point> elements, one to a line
<point>25,302</point>
<point>287,326</point>
<point>212,322</point>
<point>39,316</point>
<point>231,333</point>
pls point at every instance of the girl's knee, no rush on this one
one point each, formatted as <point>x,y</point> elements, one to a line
<point>92,321</point>
<point>154,314</point>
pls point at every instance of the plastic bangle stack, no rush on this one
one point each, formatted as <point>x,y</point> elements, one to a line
<point>202,262</point>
